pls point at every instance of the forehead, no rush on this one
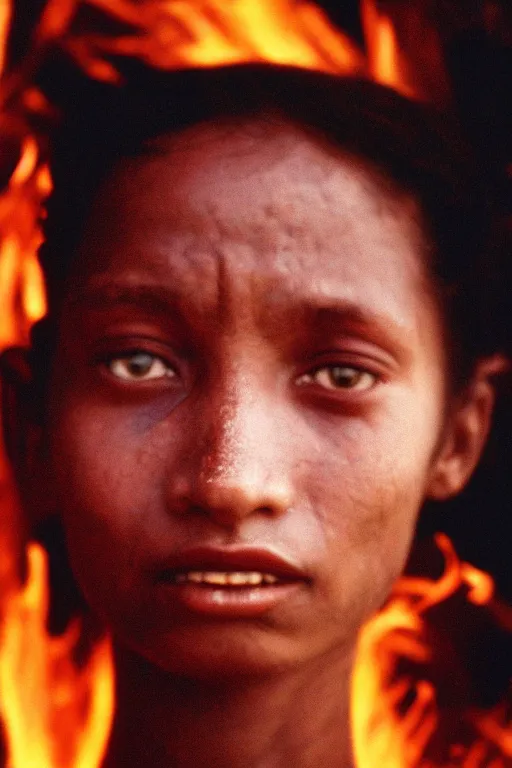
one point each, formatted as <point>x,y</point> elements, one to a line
<point>266,206</point>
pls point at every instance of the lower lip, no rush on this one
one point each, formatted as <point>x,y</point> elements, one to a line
<point>238,602</point>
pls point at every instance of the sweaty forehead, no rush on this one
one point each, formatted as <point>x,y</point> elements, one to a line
<point>263,186</point>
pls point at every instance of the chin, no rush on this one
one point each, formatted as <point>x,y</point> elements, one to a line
<point>222,653</point>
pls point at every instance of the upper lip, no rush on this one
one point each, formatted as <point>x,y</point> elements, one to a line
<point>223,559</point>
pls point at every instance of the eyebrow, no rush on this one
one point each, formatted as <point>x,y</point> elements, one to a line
<point>319,312</point>
<point>378,325</point>
<point>153,298</point>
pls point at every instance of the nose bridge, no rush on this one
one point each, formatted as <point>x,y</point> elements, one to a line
<point>231,424</point>
<point>240,467</point>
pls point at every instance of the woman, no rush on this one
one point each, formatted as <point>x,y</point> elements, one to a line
<point>266,349</point>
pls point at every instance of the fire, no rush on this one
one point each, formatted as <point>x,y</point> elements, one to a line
<point>5,17</point>
<point>382,44</point>
<point>56,713</point>
<point>211,32</point>
<point>394,736</point>
<point>21,285</point>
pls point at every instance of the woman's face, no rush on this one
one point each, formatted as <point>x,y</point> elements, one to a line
<point>246,401</point>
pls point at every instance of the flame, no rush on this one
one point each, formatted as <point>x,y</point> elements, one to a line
<point>178,33</point>
<point>382,44</point>
<point>21,283</point>
<point>5,19</point>
<point>391,735</point>
<point>56,713</point>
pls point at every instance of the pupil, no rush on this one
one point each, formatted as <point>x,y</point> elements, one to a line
<point>343,377</point>
<point>140,364</point>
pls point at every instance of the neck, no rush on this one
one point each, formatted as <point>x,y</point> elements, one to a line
<point>300,719</point>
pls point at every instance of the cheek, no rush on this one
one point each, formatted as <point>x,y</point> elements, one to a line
<point>106,490</point>
<point>367,494</point>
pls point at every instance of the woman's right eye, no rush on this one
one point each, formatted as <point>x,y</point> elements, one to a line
<point>139,366</point>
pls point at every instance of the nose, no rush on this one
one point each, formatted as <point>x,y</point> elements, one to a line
<point>238,465</point>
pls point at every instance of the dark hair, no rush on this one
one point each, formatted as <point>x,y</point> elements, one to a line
<point>420,150</point>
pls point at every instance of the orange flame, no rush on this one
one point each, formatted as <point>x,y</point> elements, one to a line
<point>57,714</point>
<point>382,44</point>
<point>177,33</point>
<point>5,18</point>
<point>21,284</point>
<point>385,734</point>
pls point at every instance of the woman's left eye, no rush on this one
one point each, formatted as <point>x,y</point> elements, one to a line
<point>338,377</point>
<point>139,366</point>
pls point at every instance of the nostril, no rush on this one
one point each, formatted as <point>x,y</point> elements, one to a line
<point>227,506</point>
<point>267,511</point>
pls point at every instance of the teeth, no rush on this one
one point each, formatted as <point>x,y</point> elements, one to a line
<point>228,578</point>
<point>237,579</point>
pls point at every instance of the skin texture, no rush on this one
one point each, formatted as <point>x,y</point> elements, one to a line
<point>249,260</point>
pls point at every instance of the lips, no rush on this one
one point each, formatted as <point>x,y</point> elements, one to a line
<point>241,582</point>
<point>230,567</point>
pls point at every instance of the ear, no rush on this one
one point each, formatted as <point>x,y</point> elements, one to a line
<point>466,433</point>
<point>23,430</point>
